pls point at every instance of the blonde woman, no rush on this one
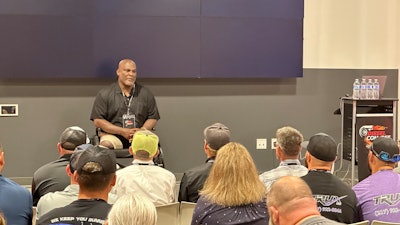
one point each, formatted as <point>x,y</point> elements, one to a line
<point>132,209</point>
<point>233,193</point>
<point>2,219</point>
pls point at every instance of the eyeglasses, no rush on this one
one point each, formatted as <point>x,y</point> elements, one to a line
<point>384,156</point>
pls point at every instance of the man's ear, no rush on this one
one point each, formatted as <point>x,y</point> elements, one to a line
<point>308,158</point>
<point>59,148</point>
<point>2,161</point>
<point>130,150</point>
<point>278,152</point>
<point>75,176</point>
<point>157,153</point>
<point>274,215</point>
<point>68,170</point>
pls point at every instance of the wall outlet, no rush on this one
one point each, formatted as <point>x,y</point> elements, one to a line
<point>273,143</point>
<point>261,143</point>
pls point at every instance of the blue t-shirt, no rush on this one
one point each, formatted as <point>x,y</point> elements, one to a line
<point>15,202</point>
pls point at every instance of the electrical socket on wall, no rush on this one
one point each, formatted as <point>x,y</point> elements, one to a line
<point>261,143</point>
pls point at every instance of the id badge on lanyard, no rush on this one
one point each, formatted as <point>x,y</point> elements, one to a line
<point>128,120</point>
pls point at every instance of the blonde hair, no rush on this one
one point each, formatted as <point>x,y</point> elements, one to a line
<point>132,209</point>
<point>2,218</point>
<point>233,179</point>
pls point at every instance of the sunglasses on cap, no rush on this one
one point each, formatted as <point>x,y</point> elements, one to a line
<point>384,156</point>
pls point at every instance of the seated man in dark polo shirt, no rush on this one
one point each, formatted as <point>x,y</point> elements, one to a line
<point>123,108</point>
<point>52,177</point>
<point>215,136</point>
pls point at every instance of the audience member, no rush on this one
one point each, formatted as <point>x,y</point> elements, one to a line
<point>132,209</point>
<point>15,200</point>
<point>52,177</point>
<point>335,199</point>
<point>143,177</point>
<point>215,136</point>
<point>95,174</point>
<point>288,146</point>
<point>233,193</point>
<point>123,107</point>
<point>58,199</point>
<point>2,219</point>
<point>379,194</point>
<point>290,201</point>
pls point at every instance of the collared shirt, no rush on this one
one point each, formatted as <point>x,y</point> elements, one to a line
<point>50,177</point>
<point>147,179</point>
<point>193,181</point>
<point>288,167</point>
<point>110,105</point>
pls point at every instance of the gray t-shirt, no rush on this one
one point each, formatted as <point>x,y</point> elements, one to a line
<point>318,220</point>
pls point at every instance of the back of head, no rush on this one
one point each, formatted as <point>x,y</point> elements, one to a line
<point>322,147</point>
<point>233,179</point>
<point>289,139</point>
<point>287,189</point>
<point>144,144</point>
<point>72,137</point>
<point>386,150</point>
<point>96,167</point>
<point>132,209</point>
<point>217,135</point>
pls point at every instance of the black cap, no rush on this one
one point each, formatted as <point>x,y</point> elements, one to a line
<point>72,137</point>
<point>103,156</point>
<point>386,149</point>
<point>323,147</point>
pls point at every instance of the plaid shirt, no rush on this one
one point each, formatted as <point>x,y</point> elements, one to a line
<point>288,167</point>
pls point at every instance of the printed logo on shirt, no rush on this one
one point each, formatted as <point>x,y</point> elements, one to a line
<point>328,203</point>
<point>389,199</point>
<point>73,220</point>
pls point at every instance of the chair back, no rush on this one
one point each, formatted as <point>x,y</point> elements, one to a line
<point>377,222</point>
<point>168,214</point>
<point>365,222</point>
<point>34,215</point>
<point>186,212</point>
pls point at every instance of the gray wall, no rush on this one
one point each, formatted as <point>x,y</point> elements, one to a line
<point>251,108</point>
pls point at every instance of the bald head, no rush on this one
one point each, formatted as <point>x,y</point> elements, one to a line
<point>125,61</point>
<point>290,200</point>
<point>287,189</point>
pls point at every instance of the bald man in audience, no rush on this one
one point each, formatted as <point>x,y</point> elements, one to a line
<point>290,202</point>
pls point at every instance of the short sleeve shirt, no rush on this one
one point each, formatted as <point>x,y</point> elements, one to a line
<point>110,104</point>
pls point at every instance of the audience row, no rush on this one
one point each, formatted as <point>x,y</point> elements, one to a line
<point>86,185</point>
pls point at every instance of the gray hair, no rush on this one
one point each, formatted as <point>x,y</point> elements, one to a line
<point>132,209</point>
<point>289,139</point>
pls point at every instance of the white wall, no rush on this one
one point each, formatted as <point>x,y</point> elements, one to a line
<point>356,34</point>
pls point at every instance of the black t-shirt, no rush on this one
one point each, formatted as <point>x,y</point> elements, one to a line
<point>79,212</point>
<point>335,199</point>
